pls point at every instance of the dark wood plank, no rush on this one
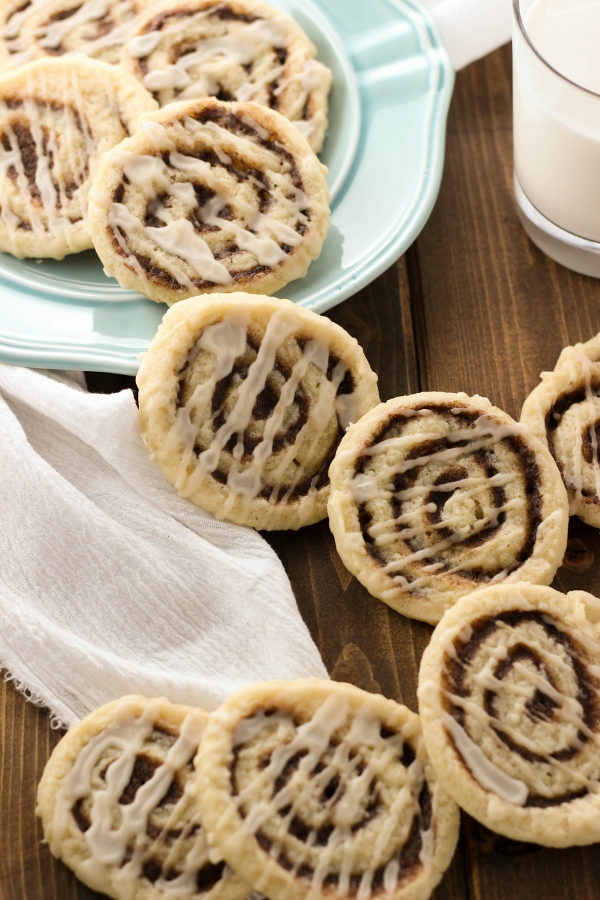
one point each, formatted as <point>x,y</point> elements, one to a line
<point>27,869</point>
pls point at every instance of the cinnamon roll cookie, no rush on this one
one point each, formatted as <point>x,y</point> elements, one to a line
<point>435,494</point>
<point>118,804</point>
<point>209,196</point>
<point>243,401</point>
<point>57,117</point>
<point>233,50</point>
<point>13,14</point>
<point>564,412</point>
<point>97,28</point>
<point>510,708</point>
<point>317,789</point>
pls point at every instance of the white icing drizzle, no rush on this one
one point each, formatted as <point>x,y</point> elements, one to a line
<point>13,25</point>
<point>142,44</point>
<point>231,213</point>
<point>470,508</point>
<point>496,766</point>
<point>239,48</point>
<point>280,327</point>
<point>226,341</point>
<point>489,776</point>
<point>178,238</point>
<point>201,54</point>
<point>62,143</point>
<point>56,119</point>
<point>116,842</point>
<point>36,30</point>
<point>337,744</point>
<point>580,369</point>
<point>53,34</point>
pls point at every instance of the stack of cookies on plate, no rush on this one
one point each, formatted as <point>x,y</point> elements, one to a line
<point>177,139</point>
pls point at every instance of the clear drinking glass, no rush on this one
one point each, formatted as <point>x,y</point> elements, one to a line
<point>556,133</point>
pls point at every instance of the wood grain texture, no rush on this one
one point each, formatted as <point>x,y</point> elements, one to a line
<point>27,869</point>
<point>472,306</point>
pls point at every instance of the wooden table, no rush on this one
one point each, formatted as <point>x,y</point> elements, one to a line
<point>472,306</point>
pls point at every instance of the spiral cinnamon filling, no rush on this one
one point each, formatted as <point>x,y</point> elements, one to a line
<point>469,682</point>
<point>309,796</point>
<point>12,23</point>
<point>101,26</point>
<point>588,438</point>
<point>231,54</point>
<point>211,215</point>
<point>179,50</point>
<point>44,144</point>
<point>144,767</point>
<point>164,19</point>
<point>241,126</point>
<point>241,445</point>
<point>471,474</point>
<point>167,834</point>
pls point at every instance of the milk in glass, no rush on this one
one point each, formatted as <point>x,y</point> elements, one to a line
<point>556,93</point>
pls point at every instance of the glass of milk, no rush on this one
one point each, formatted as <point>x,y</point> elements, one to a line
<point>556,122</point>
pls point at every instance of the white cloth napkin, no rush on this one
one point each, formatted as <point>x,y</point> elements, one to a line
<point>110,583</point>
<point>471,28</point>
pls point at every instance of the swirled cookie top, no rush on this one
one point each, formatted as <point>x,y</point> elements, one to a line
<point>519,696</point>
<point>56,117</point>
<point>234,51</point>
<point>451,478</point>
<point>253,402</point>
<point>564,410</point>
<point>335,794</point>
<point>98,28</point>
<point>128,795</point>
<point>211,198</point>
<point>435,493</point>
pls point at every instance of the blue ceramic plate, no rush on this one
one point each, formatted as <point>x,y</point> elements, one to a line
<point>392,83</point>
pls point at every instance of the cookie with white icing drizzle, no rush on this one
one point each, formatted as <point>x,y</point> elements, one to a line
<point>57,117</point>
<point>233,50</point>
<point>50,28</point>
<point>118,804</point>
<point>13,14</point>
<point>317,789</point>
<point>564,411</point>
<point>436,494</point>
<point>209,196</point>
<point>510,707</point>
<point>243,401</point>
